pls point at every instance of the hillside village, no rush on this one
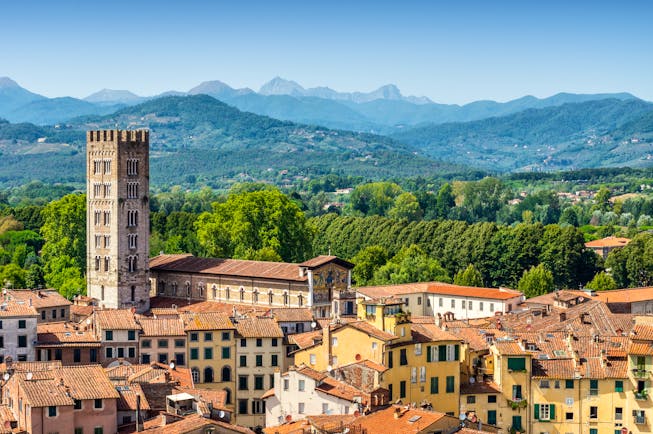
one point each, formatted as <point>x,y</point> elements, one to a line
<point>182,344</point>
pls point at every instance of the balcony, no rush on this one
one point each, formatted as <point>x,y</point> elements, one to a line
<point>639,420</point>
<point>640,373</point>
<point>641,395</point>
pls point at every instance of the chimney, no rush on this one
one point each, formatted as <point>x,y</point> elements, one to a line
<point>397,413</point>
<point>30,302</point>
<point>563,317</point>
<point>438,320</point>
<point>163,420</point>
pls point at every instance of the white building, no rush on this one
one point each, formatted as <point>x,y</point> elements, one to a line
<point>18,320</point>
<point>437,298</point>
<point>304,391</point>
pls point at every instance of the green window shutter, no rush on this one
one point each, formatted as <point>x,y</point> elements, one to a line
<point>442,353</point>
<point>536,407</point>
<point>619,386</point>
<point>457,353</point>
<point>428,354</point>
<point>517,363</point>
<point>492,417</point>
<point>434,385</point>
<point>552,412</point>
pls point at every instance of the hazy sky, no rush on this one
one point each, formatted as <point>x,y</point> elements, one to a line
<point>452,52</point>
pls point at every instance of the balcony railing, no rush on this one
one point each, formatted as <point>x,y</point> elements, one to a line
<point>641,395</point>
<point>640,373</point>
<point>639,420</point>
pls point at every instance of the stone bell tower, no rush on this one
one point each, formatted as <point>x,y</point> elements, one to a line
<point>117,218</point>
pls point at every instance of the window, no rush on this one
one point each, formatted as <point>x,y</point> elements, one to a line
<point>480,306</point>
<point>195,373</point>
<point>286,384</point>
<point>132,239</point>
<point>180,343</point>
<point>107,262</point>
<point>132,190</point>
<point>619,386</point>
<point>77,404</point>
<point>242,382</point>
<point>121,352</point>
<point>516,423</point>
<point>492,417</point>
<point>516,392</point>
<point>434,385</point>
<point>312,359</point>
<point>469,305</point>
<point>403,360</point>
<point>334,341</point>
<point>275,342</point>
<point>93,355</point>
<point>22,323</point>
<point>275,360</point>
<point>301,384</point>
<point>108,352</point>
<point>569,384</point>
<point>418,349</point>
<point>471,399</point>
<point>618,413</point>
<point>259,342</point>
<point>517,363</point>
<point>194,353</point>
<point>453,303</point>
<point>77,355</point>
<point>594,387</point>
<point>162,343</point>
<point>242,406</point>
<point>98,430</point>
<point>145,359</point>
<point>226,352</point>
<point>451,383</point>
<point>226,336</point>
<point>402,389</point>
<point>194,337</point>
<point>243,342</point>
<point>131,262</point>
<point>594,412</point>
<point>107,218</point>
<point>594,431</point>
<point>242,361</point>
<point>258,406</point>
<point>544,384</point>
<point>208,353</point>
<point>97,404</point>
<point>441,302</point>
<point>325,408</point>
<point>226,373</point>
<point>422,374</point>
<point>419,301</point>
<point>208,337</point>
<point>491,399</point>
<point>54,316</point>
<point>413,374</point>
<point>491,307</point>
<point>258,382</point>
<point>271,381</point>
<point>208,374</point>
<point>57,354</point>
<point>132,167</point>
<point>52,411</point>
<point>300,408</point>
<point>569,416</point>
<point>131,336</point>
<point>544,411</point>
<point>390,360</point>
<point>22,341</point>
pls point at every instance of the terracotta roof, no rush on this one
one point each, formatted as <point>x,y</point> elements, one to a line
<point>479,387</point>
<point>162,327</point>
<point>40,298</point>
<point>227,267</point>
<point>31,366</point>
<point>311,373</point>
<point>64,334</point>
<point>642,332</point>
<point>128,394</point>
<point>477,339</point>
<point>641,349</point>
<point>324,423</point>
<point>340,389</point>
<point>43,392</point>
<point>556,368</point>
<point>87,382</point>
<point>164,311</point>
<point>206,321</point>
<point>290,314</point>
<point>438,288</point>
<point>433,333</point>
<point>368,328</point>
<point>198,306</point>
<point>325,259</point>
<point>630,295</point>
<point>268,393</point>
<point>608,242</point>
<point>369,364</point>
<point>562,295</point>
<point>6,418</point>
<point>307,339</point>
<point>15,308</point>
<point>80,310</point>
<point>384,421</point>
<point>258,328</point>
<point>192,424</point>
<point>116,319</point>
<point>294,427</point>
<point>123,371</point>
<point>509,348</point>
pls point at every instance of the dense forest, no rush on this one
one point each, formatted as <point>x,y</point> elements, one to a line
<point>520,232</point>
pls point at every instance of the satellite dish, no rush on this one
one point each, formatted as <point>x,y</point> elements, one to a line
<point>472,380</point>
<point>313,324</point>
<point>172,365</point>
<point>221,414</point>
<point>6,376</point>
<point>29,375</point>
<point>329,368</point>
<point>462,416</point>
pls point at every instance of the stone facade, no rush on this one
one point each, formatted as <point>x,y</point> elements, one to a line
<point>118,218</point>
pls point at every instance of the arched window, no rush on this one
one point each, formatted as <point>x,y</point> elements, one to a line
<point>242,293</point>
<point>162,287</point>
<point>285,298</point>
<point>200,288</point>
<point>133,293</point>
<point>174,288</point>
<point>300,300</point>
<point>215,292</point>
<point>270,297</point>
<point>208,374</point>
<point>227,399</point>
<point>195,373</point>
<point>226,373</point>
<point>227,293</point>
<point>187,289</point>
<point>255,296</point>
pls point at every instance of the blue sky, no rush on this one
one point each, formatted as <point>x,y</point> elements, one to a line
<point>452,52</point>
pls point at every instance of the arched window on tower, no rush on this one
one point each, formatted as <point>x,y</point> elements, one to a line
<point>227,293</point>
<point>225,374</point>
<point>133,293</point>
<point>285,298</point>
<point>200,289</point>
<point>270,297</point>
<point>255,296</point>
<point>300,300</point>
<point>208,374</point>
<point>162,287</point>
<point>215,292</point>
<point>187,289</point>
<point>242,294</point>
<point>174,288</point>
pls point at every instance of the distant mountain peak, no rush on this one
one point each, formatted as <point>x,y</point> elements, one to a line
<point>218,89</point>
<point>6,82</point>
<point>113,95</point>
<point>281,86</point>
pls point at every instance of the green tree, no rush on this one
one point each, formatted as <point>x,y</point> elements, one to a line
<point>602,200</point>
<point>445,201</point>
<point>375,198</point>
<point>632,265</point>
<point>483,199</point>
<point>602,282</point>
<point>64,251</point>
<point>35,277</point>
<point>367,261</point>
<point>406,207</point>
<point>536,281</point>
<point>411,264</point>
<point>250,221</point>
<point>470,276</point>
<point>12,275</point>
